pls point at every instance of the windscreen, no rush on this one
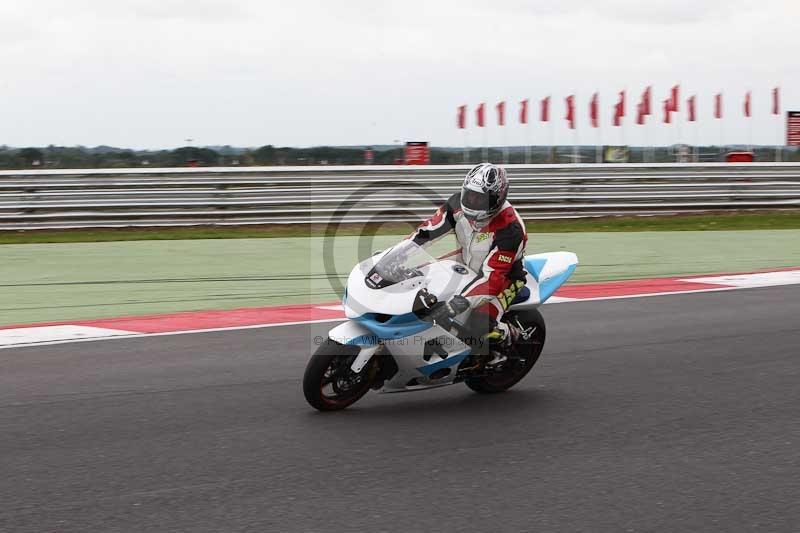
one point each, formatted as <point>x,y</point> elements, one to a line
<point>400,263</point>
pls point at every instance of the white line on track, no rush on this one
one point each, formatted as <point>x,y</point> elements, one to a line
<point>63,333</point>
<point>125,335</point>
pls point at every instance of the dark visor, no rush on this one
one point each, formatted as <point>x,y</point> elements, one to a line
<point>475,200</point>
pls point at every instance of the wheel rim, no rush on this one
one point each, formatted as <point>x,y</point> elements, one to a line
<point>339,384</point>
<point>518,364</point>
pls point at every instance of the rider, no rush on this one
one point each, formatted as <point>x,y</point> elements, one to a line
<point>492,238</point>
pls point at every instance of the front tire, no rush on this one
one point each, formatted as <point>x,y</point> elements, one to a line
<point>522,355</point>
<point>329,384</point>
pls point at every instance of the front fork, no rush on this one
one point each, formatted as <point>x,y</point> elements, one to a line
<point>364,357</point>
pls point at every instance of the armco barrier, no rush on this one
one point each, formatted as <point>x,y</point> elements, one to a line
<point>34,199</point>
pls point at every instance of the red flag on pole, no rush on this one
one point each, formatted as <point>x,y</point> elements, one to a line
<point>594,110</point>
<point>462,117</point>
<point>501,114</point>
<point>523,112</point>
<point>691,103</point>
<point>570,111</point>
<point>479,115</point>
<point>619,109</point>
<point>718,105</point>
<point>646,98</point>
<point>747,104</point>
<point>667,110</point>
<point>674,98</point>
<point>545,110</point>
<point>640,114</point>
<point>776,104</point>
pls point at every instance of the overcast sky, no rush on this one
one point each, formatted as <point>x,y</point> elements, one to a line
<point>152,73</point>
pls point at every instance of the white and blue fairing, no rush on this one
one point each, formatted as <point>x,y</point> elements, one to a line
<point>546,273</point>
<point>381,314</point>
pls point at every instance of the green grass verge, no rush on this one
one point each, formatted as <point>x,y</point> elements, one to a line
<point>73,281</point>
<point>732,221</point>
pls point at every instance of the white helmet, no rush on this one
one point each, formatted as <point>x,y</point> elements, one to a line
<point>483,193</point>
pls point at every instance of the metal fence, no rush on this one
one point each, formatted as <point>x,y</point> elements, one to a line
<point>38,199</point>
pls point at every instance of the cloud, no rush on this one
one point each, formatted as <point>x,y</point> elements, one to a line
<point>151,73</point>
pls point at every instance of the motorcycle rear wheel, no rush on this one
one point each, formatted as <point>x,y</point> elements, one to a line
<point>329,384</point>
<point>523,355</point>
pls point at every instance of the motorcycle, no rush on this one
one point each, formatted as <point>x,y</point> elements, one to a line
<point>391,343</point>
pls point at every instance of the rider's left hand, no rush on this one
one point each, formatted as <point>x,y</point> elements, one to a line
<point>453,307</point>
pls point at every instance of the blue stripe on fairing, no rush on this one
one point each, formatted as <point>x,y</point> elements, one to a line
<point>396,327</point>
<point>549,286</point>
<point>444,363</point>
<point>534,265</point>
<point>364,340</point>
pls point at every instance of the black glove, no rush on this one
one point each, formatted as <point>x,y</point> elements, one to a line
<point>455,306</point>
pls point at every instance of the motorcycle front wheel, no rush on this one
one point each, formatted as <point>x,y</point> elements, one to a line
<point>329,384</point>
<point>522,355</point>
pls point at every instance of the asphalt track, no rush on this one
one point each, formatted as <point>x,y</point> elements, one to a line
<point>668,413</point>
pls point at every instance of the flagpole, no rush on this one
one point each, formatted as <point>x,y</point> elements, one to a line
<point>651,135</point>
<point>644,137</point>
<point>624,101</point>
<point>645,113</point>
<point>621,130</point>
<point>485,135</point>
<point>528,137</point>
<point>598,152</point>
<point>575,145</point>
<point>528,140</point>
<point>574,129</point>
<point>505,143</point>
<point>696,154</point>
<point>779,146</point>
<point>678,107</point>
<point>694,128</point>
<point>652,157</point>
<point>719,105</point>
<point>697,143</point>
<point>776,110</point>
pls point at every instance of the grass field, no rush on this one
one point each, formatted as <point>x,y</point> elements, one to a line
<point>74,280</point>
<point>715,222</point>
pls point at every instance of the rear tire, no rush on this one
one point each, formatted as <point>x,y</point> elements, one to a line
<point>329,384</point>
<point>522,355</point>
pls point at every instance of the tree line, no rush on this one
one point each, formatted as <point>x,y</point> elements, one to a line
<point>110,157</point>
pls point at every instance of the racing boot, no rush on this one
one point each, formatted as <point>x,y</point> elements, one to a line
<point>499,340</point>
